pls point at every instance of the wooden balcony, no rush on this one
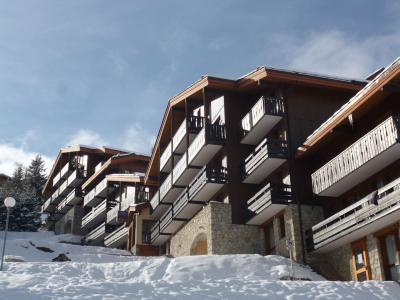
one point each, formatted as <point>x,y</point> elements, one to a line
<point>372,213</point>
<point>192,125</point>
<point>265,159</point>
<point>207,143</point>
<point>183,173</point>
<point>169,191</point>
<point>267,202</point>
<point>158,238</point>
<point>60,176</point>
<point>48,207</point>
<point>207,183</point>
<point>73,198</point>
<point>96,195</point>
<point>178,145</point>
<point>95,216</point>
<point>117,238</point>
<point>374,151</point>
<point>262,117</point>
<point>74,180</point>
<point>96,236</point>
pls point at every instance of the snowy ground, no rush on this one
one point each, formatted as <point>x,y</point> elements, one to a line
<point>100,273</point>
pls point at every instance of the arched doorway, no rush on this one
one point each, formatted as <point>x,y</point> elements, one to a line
<point>199,245</point>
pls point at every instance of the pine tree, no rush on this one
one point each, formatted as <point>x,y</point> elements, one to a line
<point>25,186</point>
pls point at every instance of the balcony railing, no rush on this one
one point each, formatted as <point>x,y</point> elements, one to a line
<point>73,198</point>
<point>371,153</point>
<point>165,157</point>
<point>207,183</point>
<point>47,207</point>
<point>61,175</point>
<point>266,158</point>
<point>98,193</point>
<point>268,202</point>
<point>206,144</point>
<point>95,215</point>
<point>117,238</point>
<point>95,237</point>
<point>372,213</point>
<point>262,117</point>
<point>194,125</point>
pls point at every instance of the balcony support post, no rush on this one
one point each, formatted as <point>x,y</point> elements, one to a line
<point>282,92</point>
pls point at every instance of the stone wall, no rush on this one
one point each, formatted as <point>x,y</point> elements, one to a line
<point>218,235</point>
<point>70,222</point>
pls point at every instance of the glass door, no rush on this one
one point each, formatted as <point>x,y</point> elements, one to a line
<point>360,261</point>
<point>390,255</point>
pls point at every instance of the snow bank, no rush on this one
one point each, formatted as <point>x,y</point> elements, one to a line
<point>100,273</point>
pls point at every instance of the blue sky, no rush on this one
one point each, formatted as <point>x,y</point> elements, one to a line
<point>101,72</point>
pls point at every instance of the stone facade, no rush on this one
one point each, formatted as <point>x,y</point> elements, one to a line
<point>70,222</point>
<point>212,229</point>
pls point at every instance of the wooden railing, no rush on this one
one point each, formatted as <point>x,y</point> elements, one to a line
<point>94,212</point>
<point>268,147</point>
<point>366,210</point>
<point>270,194</point>
<point>179,168</point>
<point>264,106</point>
<point>207,174</point>
<point>165,156</point>
<point>165,186</point>
<point>369,146</point>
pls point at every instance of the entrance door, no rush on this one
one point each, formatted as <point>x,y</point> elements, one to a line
<point>360,261</point>
<point>390,255</point>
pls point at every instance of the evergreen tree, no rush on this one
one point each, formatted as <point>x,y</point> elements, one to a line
<point>25,186</point>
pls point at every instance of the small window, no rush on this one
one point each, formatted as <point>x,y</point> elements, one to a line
<point>281,224</point>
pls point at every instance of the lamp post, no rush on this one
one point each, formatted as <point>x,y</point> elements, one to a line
<point>9,203</point>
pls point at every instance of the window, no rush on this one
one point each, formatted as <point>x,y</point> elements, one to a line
<point>281,224</point>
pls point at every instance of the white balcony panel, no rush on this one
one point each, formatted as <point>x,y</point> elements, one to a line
<point>96,236</point>
<point>65,171</point>
<point>265,159</point>
<point>178,140</point>
<point>117,238</point>
<point>184,209</point>
<point>267,202</point>
<point>182,174</point>
<point>262,117</point>
<point>95,216</point>
<point>48,207</point>
<point>370,154</point>
<point>168,192</point>
<point>166,159</point>
<point>159,210</point>
<point>359,219</point>
<point>201,153</point>
<point>159,239</point>
<point>207,183</point>
<point>112,215</point>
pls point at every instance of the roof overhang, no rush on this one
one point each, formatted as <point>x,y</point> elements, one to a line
<point>375,89</point>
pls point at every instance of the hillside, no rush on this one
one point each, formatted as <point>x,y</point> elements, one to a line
<point>101,273</point>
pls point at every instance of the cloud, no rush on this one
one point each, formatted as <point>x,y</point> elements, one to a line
<point>86,137</point>
<point>337,53</point>
<point>134,138</point>
<point>11,155</point>
<point>138,139</point>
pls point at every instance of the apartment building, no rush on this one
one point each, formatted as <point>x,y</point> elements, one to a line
<point>351,171</point>
<point>223,162</point>
<point>62,189</point>
<point>115,185</point>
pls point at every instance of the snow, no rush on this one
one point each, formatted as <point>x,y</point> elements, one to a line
<point>102,273</point>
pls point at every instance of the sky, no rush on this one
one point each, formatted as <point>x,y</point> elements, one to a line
<point>100,72</point>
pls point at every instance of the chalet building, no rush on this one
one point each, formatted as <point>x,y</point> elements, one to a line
<point>4,178</point>
<point>351,173</point>
<point>223,162</point>
<point>116,184</point>
<point>62,189</point>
